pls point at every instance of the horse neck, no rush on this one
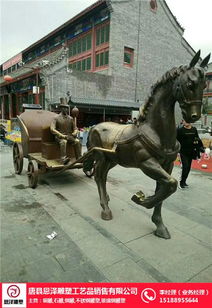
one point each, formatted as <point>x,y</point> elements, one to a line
<point>161,117</point>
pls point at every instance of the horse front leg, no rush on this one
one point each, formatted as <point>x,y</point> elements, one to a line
<point>101,170</point>
<point>168,184</point>
<point>161,230</point>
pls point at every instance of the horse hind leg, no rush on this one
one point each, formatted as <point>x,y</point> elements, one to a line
<point>101,171</point>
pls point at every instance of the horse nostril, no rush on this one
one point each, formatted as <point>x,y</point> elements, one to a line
<point>194,116</point>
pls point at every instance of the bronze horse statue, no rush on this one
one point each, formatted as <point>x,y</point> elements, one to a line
<point>150,144</point>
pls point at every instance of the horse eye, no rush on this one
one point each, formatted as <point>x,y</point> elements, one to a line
<point>190,85</point>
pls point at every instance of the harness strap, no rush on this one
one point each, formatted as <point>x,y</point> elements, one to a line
<point>150,145</point>
<point>118,135</point>
<point>155,150</point>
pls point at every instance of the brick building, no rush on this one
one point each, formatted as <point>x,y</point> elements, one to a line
<point>105,59</point>
<point>207,99</point>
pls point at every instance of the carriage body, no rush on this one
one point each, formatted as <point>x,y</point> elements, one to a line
<point>32,125</point>
<point>39,146</point>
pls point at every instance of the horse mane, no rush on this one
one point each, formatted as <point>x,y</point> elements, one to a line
<point>167,77</point>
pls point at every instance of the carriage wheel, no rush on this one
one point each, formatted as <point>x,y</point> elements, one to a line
<point>32,174</point>
<point>18,158</point>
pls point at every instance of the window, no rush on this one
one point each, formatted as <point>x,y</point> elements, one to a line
<point>84,44</point>
<point>128,56</point>
<point>88,42</point>
<point>102,59</point>
<point>90,52</point>
<point>82,65</point>
<point>102,35</point>
<point>14,67</point>
<point>81,45</point>
<point>79,65</point>
<point>88,63</point>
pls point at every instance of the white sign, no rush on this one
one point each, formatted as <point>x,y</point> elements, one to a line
<point>35,90</point>
<point>135,114</point>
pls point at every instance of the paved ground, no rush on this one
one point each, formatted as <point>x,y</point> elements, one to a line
<point>90,249</point>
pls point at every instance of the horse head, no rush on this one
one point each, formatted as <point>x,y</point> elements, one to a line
<point>188,88</point>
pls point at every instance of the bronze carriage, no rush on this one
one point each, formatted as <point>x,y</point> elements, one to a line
<point>39,147</point>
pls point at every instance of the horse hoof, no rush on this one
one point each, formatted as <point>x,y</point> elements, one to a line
<point>135,198</point>
<point>106,215</point>
<point>142,201</point>
<point>163,233</point>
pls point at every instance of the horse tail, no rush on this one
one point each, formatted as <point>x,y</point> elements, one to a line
<point>88,163</point>
<point>88,143</point>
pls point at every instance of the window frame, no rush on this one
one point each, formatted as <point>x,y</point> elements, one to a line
<point>102,36</point>
<point>76,44</point>
<point>90,37</point>
<point>80,62</point>
<point>129,51</point>
<point>102,47</point>
<point>102,58</point>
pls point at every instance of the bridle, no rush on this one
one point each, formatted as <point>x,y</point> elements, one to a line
<point>184,101</point>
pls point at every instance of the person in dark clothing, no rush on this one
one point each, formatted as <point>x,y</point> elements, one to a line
<point>2,132</point>
<point>188,138</point>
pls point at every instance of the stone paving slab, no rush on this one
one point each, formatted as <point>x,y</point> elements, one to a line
<point>203,276</point>
<point>101,251</point>
<point>191,228</point>
<point>178,259</point>
<point>202,233</point>
<point>185,268</point>
<point>10,262</point>
<point>77,228</point>
<point>41,270</point>
<point>127,271</point>
<point>84,273</point>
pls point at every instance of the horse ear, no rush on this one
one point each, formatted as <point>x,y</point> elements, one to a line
<point>205,61</point>
<point>195,59</point>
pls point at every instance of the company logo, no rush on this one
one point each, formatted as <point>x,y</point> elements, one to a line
<point>13,291</point>
<point>148,295</point>
<point>13,295</point>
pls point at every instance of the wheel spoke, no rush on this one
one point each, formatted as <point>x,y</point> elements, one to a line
<point>17,158</point>
<point>32,174</point>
